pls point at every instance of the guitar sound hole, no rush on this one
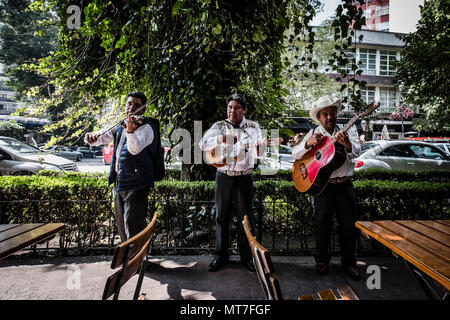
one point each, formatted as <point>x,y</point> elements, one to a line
<point>318,155</point>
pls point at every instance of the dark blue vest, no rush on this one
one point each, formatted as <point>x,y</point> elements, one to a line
<point>134,171</point>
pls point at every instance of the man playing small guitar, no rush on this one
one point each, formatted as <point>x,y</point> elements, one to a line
<point>234,181</point>
<point>338,194</point>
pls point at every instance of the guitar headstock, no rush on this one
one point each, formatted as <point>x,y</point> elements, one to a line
<point>369,109</point>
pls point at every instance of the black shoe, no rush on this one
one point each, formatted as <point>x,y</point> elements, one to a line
<point>322,268</point>
<point>217,264</point>
<point>353,272</point>
<point>249,265</point>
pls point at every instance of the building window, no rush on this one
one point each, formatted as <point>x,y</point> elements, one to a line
<point>383,26</point>
<point>387,61</point>
<point>350,57</point>
<point>368,57</point>
<point>1,107</point>
<point>388,100</point>
<point>384,10</point>
<point>368,94</point>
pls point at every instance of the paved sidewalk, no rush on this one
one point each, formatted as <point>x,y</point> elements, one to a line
<point>187,278</point>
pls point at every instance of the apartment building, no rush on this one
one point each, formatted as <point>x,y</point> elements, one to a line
<point>7,95</point>
<point>377,53</point>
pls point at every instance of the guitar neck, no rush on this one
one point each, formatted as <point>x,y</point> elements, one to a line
<point>346,127</point>
<point>350,123</point>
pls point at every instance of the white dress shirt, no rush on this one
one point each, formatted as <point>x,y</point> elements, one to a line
<point>346,170</point>
<point>248,132</point>
<point>136,141</point>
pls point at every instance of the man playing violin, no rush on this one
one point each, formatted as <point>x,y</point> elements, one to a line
<point>234,181</point>
<point>132,169</point>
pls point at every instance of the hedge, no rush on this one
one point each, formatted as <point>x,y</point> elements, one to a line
<point>83,201</point>
<point>368,174</point>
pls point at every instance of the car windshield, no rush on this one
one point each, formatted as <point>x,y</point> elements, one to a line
<point>366,146</point>
<point>16,146</point>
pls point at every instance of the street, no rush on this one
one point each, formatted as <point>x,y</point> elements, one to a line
<point>92,165</point>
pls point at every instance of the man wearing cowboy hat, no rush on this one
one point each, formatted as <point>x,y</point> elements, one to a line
<point>338,195</point>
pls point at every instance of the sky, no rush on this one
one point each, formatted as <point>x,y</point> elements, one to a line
<point>327,11</point>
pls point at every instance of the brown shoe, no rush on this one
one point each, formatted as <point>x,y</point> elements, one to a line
<point>353,272</point>
<point>322,268</point>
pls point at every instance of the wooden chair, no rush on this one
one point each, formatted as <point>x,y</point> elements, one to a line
<point>269,283</point>
<point>130,255</point>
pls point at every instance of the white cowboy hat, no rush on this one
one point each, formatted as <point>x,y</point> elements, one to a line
<point>322,103</point>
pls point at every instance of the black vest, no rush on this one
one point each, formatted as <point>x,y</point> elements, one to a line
<point>134,171</point>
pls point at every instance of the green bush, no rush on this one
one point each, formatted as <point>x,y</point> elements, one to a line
<point>83,201</point>
<point>286,175</point>
<point>12,129</point>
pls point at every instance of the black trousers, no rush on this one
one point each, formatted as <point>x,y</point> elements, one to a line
<point>340,199</point>
<point>237,189</point>
<point>130,208</point>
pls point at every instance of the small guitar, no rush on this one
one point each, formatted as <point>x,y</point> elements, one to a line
<point>311,173</point>
<point>226,154</point>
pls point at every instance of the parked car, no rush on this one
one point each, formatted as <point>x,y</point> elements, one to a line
<point>65,152</point>
<point>87,153</point>
<point>443,146</point>
<point>20,158</point>
<point>98,151</point>
<point>275,160</point>
<point>107,153</point>
<point>402,155</point>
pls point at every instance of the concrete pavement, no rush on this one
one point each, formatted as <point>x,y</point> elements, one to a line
<point>187,278</point>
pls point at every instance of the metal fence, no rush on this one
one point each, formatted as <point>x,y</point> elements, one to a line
<point>189,226</point>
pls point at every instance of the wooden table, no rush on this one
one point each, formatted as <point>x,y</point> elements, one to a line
<point>14,237</point>
<point>423,244</point>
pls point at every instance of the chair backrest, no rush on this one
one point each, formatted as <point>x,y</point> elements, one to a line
<point>263,264</point>
<point>129,255</point>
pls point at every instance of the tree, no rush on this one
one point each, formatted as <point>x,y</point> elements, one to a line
<point>186,55</point>
<point>304,82</point>
<point>12,129</point>
<point>424,67</point>
<point>24,38</point>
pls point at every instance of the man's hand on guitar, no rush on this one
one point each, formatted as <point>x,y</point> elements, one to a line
<point>226,138</point>
<point>343,139</point>
<point>314,140</point>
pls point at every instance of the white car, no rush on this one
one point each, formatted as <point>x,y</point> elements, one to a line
<point>20,158</point>
<point>402,155</point>
<point>277,159</point>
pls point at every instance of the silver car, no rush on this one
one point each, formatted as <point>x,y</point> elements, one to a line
<point>402,155</point>
<point>276,159</point>
<point>443,146</point>
<point>19,158</point>
<point>65,152</point>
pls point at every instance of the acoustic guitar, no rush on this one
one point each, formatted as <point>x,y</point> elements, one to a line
<point>311,173</point>
<point>225,154</point>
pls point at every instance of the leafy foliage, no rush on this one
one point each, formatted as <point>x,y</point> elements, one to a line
<point>424,67</point>
<point>186,55</point>
<point>25,37</point>
<point>12,129</point>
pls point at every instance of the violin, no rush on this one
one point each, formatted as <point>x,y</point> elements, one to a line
<point>137,119</point>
